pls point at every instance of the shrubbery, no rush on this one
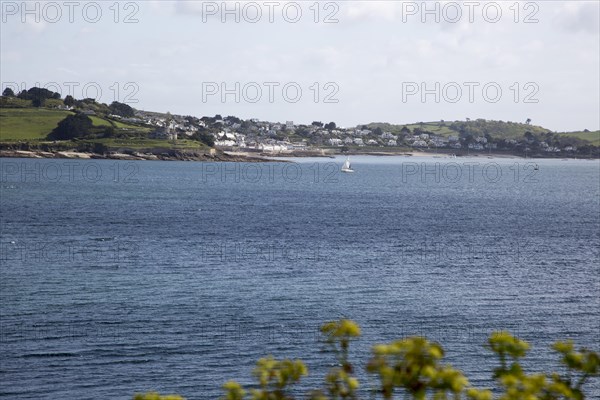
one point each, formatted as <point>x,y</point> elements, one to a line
<point>412,368</point>
<point>73,126</point>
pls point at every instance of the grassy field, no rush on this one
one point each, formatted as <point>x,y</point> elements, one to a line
<point>35,123</point>
<point>507,130</point>
<point>433,127</point>
<point>99,121</point>
<point>138,144</point>
<point>592,137</point>
<point>28,123</point>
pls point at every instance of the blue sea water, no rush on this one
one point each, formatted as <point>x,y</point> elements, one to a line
<point>120,277</point>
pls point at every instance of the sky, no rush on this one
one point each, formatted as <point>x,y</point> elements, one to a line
<point>351,62</point>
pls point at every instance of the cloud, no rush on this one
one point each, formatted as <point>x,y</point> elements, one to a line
<point>386,10</point>
<point>579,17</point>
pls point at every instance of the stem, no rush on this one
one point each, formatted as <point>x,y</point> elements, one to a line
<point>581,381</point>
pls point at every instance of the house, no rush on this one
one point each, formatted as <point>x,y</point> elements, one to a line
<point>298,145</point>
<point>272,148</point>
<point>439,141</point>
<point>392,142</point>
<point>359,142</point>
<point>552,149</point>
<point>372,142</point>
<point>224,143</point>
<point>475,146</point>
<point>335,142</point>
<point>163,134</point>
<point>348,140</point>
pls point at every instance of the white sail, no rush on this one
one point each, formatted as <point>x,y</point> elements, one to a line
<point>346,167</point>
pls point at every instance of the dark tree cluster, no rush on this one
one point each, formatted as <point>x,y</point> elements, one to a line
<point>121,109</point>
<point>38,95</point>
<point>73,126</point>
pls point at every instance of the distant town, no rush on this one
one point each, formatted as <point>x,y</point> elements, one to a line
<point>100,128</point>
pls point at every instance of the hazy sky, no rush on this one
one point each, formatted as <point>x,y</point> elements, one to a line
<point>350,62</point>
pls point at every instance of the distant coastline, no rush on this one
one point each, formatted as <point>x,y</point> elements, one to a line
<point>38,123</point>
<point>135,156</point>
<point>243,156</point>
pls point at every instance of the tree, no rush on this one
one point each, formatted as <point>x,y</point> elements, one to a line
<point>529,136</point>
<point>37,102</point>
<point>204,137</point>
<point>330,126</point>
<point>8,92</point>
<point>528,121</point>
<point>233,119</point>
<point>318,124</point>
<point>69,100</point>
<point>122,109</point>
<point>73,126</point>
<point>41,94</point>
<point>302,131</point>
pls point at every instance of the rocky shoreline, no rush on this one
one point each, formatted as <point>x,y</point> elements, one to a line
<point>222,156</point>
<point>170,155</point>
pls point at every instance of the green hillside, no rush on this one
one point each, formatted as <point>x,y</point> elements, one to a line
<point>34,124</point>
<point>20,122</point>
<point>592,137</point>
<point>497,129</point>
<point>28,123</point>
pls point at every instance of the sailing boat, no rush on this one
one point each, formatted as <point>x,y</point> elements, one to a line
<point>347,167</point>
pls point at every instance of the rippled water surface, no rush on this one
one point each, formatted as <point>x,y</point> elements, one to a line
<point>121,277</point>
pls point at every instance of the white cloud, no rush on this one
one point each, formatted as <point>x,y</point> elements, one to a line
<point>579,17</point>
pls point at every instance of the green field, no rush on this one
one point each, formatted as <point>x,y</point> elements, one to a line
<point>138,144</point>
<point>28,123</point>
<point>506,130</point>
<point>592,137</point>
<point>36,123</point>
<point>433,127</point>
<point>99,121</point>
